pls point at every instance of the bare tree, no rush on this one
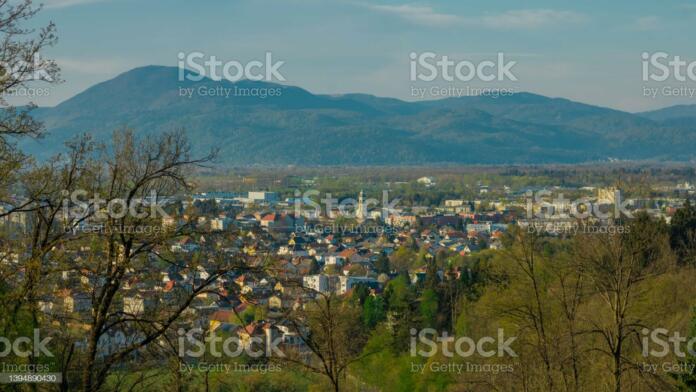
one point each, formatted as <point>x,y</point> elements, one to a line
<point>332,332</point>
<point>137,174</point>
<point>570,294</point>
<point>533,312</point>
<point>20,64</point>
<point>615,267</point>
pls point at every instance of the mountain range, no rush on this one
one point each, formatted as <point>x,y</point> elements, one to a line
<point>297,127</point>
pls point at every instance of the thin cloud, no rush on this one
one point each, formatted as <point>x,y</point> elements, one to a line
<point>417,14</point>
<point>68,3</point>
<point>529,19</point>
<point>645,23</point>
<point>525,19</point>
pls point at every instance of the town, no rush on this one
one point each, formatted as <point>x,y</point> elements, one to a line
<point>297,251</point>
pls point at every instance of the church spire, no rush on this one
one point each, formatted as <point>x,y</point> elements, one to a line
<point>360,212</point>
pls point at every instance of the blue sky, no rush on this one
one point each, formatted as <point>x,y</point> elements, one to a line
<point>588,51</point>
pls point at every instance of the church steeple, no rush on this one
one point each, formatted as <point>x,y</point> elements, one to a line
<point>360,212</point>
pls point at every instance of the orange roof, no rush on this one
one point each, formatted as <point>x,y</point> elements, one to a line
<point>222,316</point>
<point>348,252</point>
<point>63,293</point>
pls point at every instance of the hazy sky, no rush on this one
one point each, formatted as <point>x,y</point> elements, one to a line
<point>588,51</point>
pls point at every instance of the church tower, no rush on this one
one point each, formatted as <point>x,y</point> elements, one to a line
<point>360,211</point>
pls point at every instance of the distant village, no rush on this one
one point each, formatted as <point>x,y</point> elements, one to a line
<point>300,254</point>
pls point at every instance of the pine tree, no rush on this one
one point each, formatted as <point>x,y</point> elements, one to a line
<point>382,264</point>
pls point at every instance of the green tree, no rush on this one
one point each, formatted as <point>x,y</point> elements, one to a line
<point>360,293</point>
<point>382,264</point>
<point>403,259</point>
<point>374,311</point>
<point>428,308</point>
<point>400,296</point>
<point>683,234</point>
<point>432,280</point>
<point>314,267</point>
<point>688,379</point>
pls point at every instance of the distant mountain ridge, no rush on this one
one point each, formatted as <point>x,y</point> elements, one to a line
<point>298,127</point>
<point>671,112</point>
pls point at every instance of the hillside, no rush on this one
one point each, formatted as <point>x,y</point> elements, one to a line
<point>298,127</point>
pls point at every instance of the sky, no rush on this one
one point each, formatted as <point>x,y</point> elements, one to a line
<point>587,51</point>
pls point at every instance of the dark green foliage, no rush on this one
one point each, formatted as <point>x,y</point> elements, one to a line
<point>683,234</point>
<point>688,379</point>
<point>431,278</point>
<point>299,127</point>
<point>382,264</point>
<point>360,293</point>
<point>314,267</point>
<point>428,308</point>
<point>374,311</point>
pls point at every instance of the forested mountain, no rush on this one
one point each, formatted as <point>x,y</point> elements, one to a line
<point>298,127</point>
